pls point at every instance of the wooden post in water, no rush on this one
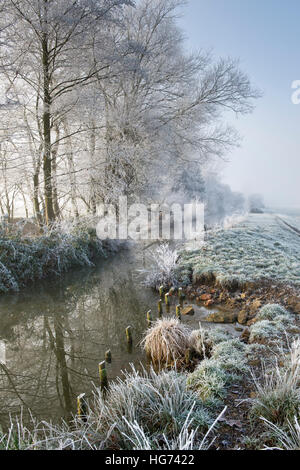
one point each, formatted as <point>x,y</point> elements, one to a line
<point>82,407</point>
<point>160,309</point>
<point>103,376</point>
<point>161,292</point>
<point>178,312</point>
<point>149,318</point>
<point>172,290</point>
<point>128,332</point>
<point>167,301</point>
<point>180,296</point>
<point>108,356</point>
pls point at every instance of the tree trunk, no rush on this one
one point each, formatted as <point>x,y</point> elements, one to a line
<point>71,168</point>
<point>47,167</point>
<point>54,175</point>
<point>36,201</point>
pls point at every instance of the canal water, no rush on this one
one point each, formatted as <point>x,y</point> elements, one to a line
<point>54,334</point>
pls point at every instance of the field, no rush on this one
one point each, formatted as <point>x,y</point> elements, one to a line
<point>262,246</point>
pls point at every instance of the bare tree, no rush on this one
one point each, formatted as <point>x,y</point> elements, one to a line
<point>101,99</point>
<point>46,38</point>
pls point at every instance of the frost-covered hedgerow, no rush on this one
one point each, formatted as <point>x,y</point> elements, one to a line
<point>23,260</point>
<point>259,247</point>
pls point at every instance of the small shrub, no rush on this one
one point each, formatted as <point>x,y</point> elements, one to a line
<point>162,268</point>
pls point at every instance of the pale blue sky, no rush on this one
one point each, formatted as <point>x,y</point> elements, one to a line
<point>264,35</point>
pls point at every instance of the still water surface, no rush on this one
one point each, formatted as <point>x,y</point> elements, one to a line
<point>57,332</point>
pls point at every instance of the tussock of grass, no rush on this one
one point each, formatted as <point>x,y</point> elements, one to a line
<point>272,312</point>
<point>273,321</point>
<point>288,438</point>
<point>208,380</point>
<point>166,341</point>
<point>232,356</point>
<point>278,392</point>
<point>227,364</point>
<point>267,331</point>
<point>158,402</point>
<point>203,340</point>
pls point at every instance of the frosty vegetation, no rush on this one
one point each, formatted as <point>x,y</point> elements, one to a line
<point>181,410</point>
<point>142,411</point>
<point>258,247</point>
<point>65,245</point>
<point>161,267</point>
<point>99,99</point>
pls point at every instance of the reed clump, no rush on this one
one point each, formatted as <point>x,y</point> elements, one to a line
<point>167,341</point>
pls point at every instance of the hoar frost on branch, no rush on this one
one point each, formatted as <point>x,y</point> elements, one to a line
<point>100,99</point>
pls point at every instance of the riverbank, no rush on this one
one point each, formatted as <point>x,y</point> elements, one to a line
<point>25,259</point>
<point>256,261</point>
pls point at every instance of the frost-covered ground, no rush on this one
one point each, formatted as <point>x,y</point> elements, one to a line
<point>261,246</point>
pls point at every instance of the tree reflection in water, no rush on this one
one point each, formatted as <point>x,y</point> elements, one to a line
<point>57,332</point>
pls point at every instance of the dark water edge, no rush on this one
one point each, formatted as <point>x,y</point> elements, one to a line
<point>57,331</point>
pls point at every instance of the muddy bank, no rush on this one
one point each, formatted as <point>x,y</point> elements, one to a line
<point>242,304</point>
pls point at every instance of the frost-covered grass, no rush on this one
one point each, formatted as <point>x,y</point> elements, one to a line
<point>66,245</point>
<point>166,341</point>
<point>273,322</point>
<point>209,380</point>
<point>172,410</point>
<point>143,410</point>
<point>278,390</point>
<point>288,438</point>
<point>203,340</point>
<point>266,331</point>
<point>272,312</point>
<point>227,363</point>
<point>259,247</point>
